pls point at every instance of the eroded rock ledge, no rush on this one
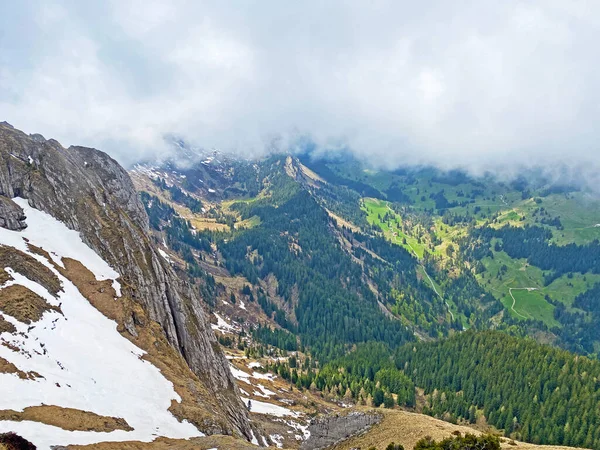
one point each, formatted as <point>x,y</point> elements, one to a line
<point>326,431</point>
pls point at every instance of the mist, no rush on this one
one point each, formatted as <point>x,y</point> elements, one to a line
<point>495,87</point>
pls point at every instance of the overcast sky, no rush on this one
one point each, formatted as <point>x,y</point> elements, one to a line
<point>480,85</point>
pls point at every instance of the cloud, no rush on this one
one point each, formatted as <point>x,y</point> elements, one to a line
<point>474,85</point>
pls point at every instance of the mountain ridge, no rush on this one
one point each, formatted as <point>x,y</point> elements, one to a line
<point>89,192</point>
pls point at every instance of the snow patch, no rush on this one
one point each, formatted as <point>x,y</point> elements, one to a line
<point>164,255</point>
<point>223,326</point>
<point>239,374</point>
<point>46,232</point>
<point>253,440</point>
<point>298,428</point>
<point>243,376</point>
<point>266,393</point>
<point>85,362</point>
<point>117,287</point>
<point>269,408</point>
<point>263,376</point>
<point>278,439</point>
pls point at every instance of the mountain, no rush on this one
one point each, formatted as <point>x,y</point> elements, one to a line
<point>76,235</point>
<point>206,301</point>
<point>443,230</point>
<point>332,274</point>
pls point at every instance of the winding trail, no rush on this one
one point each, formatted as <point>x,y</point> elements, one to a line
<point>436,291</point>
<point>514,300</point>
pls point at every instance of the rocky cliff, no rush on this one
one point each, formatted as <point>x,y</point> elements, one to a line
<point>326,431</point>
<point>91,193</point>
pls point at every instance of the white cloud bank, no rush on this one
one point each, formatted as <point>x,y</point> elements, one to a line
<point>477,85</point>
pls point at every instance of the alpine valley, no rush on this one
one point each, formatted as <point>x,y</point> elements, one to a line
<point>206,301</point>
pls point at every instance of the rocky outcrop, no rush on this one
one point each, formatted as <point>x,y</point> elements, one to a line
<point>11,215</point>
<point>91,193</point>
<point>326,431</point>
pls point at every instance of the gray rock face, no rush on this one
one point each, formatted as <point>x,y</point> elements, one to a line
<point>91,193</point>
<point>328,430</point>
<point>11,215</point>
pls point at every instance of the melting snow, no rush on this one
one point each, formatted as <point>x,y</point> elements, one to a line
<point>269,408</point>
<point>266,393</point>
<point>164,254</point>
<point>298,427</point>
<point>59,241</point>
<point>254,440</point>
<point>265,390</point>
<point>96,368</point>
<point>254,364</point>
<point>222,325</point>
<point>241,305</point>
<point>239,374</point>
<point>278,439</point>
<point>263,376</point>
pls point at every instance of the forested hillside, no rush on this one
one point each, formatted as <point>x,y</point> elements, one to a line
<point>381,284</point>
<point>333,306</point>
<point>533,392</point>
<point>503,255</point>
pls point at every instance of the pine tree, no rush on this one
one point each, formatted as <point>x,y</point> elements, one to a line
<point>348,396</point>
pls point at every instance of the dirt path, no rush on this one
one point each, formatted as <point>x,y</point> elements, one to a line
<point>436,291</point>
<point>514,300</point>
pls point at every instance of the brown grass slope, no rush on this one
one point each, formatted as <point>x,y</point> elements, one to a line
<point>23,304</point>
<point>66,418</point>
<point>406,428</point>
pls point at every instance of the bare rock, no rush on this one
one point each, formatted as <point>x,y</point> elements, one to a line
<point>11,215</point>
<point>326,431</point>
<point>91,193</point>
<point>130,326</point>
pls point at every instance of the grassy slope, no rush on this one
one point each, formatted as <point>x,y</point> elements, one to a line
<point>578,212</point>
<point>379,208</point>
<point>375,209</point>
<point>578,215</point>
<point>407,428</point>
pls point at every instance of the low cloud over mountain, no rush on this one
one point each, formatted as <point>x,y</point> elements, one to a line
<point>472,85</point>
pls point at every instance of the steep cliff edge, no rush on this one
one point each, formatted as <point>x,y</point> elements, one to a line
<point>92,194</point>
